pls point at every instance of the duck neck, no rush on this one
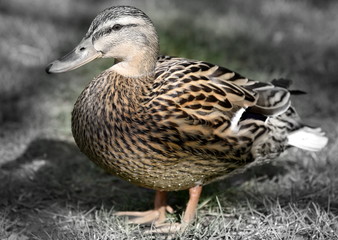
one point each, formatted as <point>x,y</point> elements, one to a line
<point>140,60</point>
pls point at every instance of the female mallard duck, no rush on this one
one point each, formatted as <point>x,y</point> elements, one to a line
<point>171,123</point>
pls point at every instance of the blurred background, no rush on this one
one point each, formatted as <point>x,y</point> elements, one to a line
<point>262,40</point>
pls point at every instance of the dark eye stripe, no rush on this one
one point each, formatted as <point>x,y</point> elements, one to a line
<point>108,30</point>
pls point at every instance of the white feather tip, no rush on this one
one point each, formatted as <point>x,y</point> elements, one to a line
<point>311,139</point>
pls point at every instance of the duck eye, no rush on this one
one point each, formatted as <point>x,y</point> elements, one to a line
<point>117,27</point>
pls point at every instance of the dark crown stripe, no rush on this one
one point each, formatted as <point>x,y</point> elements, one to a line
<point>115,13</point>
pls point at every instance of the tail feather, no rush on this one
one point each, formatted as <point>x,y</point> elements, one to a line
<point>307,138</point>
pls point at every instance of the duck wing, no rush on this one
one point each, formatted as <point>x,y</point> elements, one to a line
<point>208,92</point>
<point>198,105</point>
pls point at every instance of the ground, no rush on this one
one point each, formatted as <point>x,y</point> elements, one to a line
<point>49,190</point>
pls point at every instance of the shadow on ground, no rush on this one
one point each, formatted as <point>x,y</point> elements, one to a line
<point>52,178</point>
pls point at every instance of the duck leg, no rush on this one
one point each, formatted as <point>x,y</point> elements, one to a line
<point>190,211</point>
<point>156,216</point>
<point>188,217</point>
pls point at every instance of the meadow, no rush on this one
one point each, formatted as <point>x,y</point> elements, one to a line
<point>50,190</point>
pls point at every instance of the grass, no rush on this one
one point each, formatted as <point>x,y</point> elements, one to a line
<point>49,190</point>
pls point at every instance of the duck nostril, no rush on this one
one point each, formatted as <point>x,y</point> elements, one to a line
<point>83,48</point>
<point>48,68</point>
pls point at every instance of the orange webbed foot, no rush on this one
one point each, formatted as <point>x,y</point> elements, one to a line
<point>156,216</point>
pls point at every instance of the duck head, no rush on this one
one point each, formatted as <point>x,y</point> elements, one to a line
<point>122,32</point>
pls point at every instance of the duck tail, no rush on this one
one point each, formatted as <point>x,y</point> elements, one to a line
<point>305,137</point>
<point>308,138</point>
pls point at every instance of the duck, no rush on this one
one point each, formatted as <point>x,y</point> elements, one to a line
<point>170,123</point>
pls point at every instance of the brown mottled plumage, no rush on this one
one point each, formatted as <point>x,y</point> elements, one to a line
<point>171,123</point>
<point>146,131</point>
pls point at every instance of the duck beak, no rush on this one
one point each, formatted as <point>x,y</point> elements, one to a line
<point>81,54</point>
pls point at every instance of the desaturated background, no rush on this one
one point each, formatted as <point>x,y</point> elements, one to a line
<point>262,39</point>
